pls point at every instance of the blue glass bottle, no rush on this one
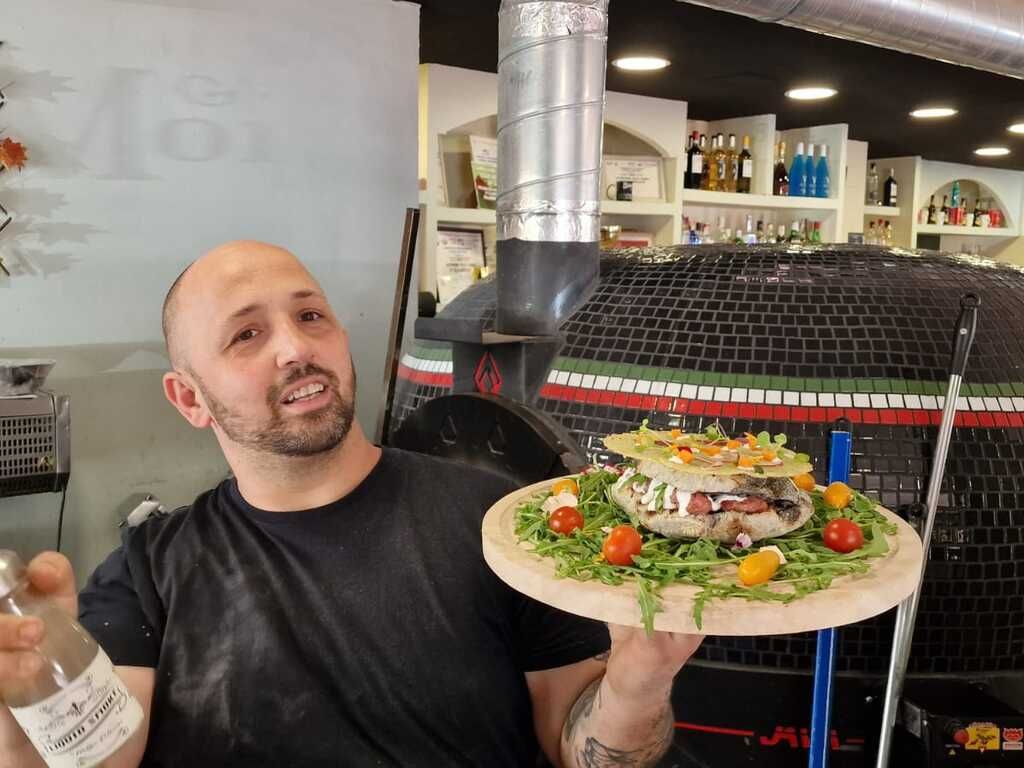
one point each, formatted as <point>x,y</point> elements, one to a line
<point>822,185</point>
<point>798,173</point>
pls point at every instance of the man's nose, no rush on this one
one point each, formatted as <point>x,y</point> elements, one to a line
<point>293,347</point>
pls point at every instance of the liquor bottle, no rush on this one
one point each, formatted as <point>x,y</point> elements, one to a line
<point>795,235</point>
<point>977,212</point>
<point>890,193</point>
<point>780,176</point>
<point>954,195</point>
<point>721,160</point>
<point>712,179</point>
<point>781,237</point>
<point>702,145</point>
<point>688,173</point>
<point>871,236</point>
<point>968,214</point>
<point>797,175</point>
<point>932,212</point>
<point>872,185</point>
<point>749,236</point>
<point>706,236</point>
<point>823,178</point>
<point>759,236</point>
<point>816,233</point>
<point>812,177</point>
<point>694,162</point>
<point>732,159</point>
<point>75,694</point>
<point>746,168</point>
<point>888,233</point>
<point>944,212</point>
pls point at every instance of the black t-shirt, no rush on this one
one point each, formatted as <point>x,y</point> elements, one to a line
<point>366,632</point>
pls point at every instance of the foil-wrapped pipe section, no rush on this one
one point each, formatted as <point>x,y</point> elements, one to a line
<point>984,34</point>
<point>551,86</point>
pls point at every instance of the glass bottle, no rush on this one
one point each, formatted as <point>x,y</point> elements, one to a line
<point>75,710</point>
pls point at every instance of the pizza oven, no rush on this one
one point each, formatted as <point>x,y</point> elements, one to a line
<point>788,339</point>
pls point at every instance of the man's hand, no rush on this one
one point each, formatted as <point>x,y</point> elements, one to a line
<point>50,573</point>
<point>625,717</point>
<point>640,666</point>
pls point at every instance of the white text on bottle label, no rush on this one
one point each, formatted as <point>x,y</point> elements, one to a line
<point>84,723</point>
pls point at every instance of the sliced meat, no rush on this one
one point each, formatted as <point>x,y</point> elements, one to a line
<point>699,504</point>
<point>749,506</point>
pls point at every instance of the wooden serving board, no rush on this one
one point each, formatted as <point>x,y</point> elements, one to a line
<point>849,599</point>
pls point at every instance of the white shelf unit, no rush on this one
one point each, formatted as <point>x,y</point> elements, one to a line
<point>919,179</point>
<point>882,211</point>
<point>936,229</point>
<point>757,202</point>
<point>455,103</point>
<point>706,206</point>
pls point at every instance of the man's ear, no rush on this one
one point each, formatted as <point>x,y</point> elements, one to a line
<point>182,393</point>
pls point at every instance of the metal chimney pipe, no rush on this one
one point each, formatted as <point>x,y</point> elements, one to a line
<point>551,86</point>
<point>984,34</point>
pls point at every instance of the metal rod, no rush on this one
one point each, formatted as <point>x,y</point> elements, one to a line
<point>840,449</point>
<point>397,329</point>
<point>906,613</point>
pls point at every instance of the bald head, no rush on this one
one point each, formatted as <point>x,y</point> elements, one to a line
<point>210,278</point>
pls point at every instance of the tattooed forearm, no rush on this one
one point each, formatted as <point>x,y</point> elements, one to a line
<point>596,755</point>
<point>581,710</point>
<point>600,734</point>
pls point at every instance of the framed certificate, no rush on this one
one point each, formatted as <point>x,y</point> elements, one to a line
<point>460,260</point>
<point>633,178</point>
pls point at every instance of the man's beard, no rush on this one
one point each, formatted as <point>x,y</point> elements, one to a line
<point>308,434</point>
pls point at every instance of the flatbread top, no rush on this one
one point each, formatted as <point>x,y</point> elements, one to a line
<point>711,453</point>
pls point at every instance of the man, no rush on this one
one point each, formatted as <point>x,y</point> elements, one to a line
<point>330,604</point>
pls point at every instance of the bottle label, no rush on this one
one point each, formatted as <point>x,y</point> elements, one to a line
<point>748,169</point>
<point>698,164</point>
<point>84,723</point>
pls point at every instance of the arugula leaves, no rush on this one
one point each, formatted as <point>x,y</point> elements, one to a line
<point>810,565</point>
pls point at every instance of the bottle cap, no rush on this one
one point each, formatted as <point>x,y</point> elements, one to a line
<point>824,150</point>
<point>12,572</point>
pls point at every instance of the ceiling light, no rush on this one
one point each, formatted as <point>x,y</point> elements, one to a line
<point>991,151</point>
<point>811,93</point>
<point>1016,128</point>
<point>933,112</point>
<point>641,63</point>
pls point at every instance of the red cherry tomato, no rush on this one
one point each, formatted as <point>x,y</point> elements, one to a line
<point>620,546</point>
<point>565,520</point>
<point>842,535</point>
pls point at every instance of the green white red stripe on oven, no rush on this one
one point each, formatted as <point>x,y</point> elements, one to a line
<point>761,398</point>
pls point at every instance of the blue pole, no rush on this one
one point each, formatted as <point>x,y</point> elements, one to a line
<point>840,444</point>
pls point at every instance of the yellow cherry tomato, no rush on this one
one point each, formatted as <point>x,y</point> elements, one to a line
<point>568,485</point>
<point>758,567</point>
<point>805,482</point>
<point>711,450</point>
<point>838,495</point>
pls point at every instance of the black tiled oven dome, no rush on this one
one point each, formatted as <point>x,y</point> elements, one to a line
<point>787,339</point>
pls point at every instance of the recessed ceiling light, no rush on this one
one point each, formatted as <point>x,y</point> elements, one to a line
<point>992,151</point>
<point>933,112</point>
<point>811,93</point>
<point>641,63</point>
<point>1016,128</point>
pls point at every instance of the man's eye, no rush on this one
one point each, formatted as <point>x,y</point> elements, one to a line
<point>246,335</point>
<point>309,315</point>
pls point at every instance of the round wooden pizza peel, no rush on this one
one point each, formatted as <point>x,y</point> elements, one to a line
<point>850,598</point>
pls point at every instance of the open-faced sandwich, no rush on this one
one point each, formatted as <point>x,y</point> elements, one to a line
<point>704,485</point>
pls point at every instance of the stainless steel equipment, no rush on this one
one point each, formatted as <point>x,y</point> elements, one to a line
<point>35,443</point>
